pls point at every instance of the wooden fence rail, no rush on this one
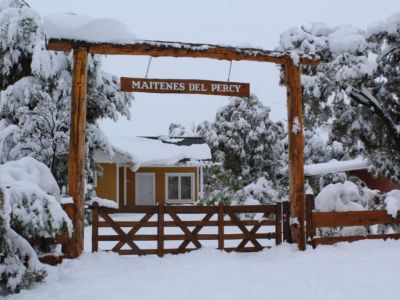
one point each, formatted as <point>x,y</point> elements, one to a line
<point>187,230</point>
<point>316,220</point>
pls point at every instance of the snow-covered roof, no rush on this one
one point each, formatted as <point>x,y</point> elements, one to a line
<point>142,151</point>
<point>335,166</point>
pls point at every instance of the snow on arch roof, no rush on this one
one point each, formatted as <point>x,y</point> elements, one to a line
<point>107,36</point>
<point>150,151</point>
<point>334,166</point>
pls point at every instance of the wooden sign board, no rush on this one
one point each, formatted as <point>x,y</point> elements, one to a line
<point>185,86</point>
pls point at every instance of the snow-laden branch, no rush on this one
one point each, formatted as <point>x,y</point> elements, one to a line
<point>365,98</point>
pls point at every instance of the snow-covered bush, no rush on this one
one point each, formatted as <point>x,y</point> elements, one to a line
<point>392,203</point>
<point>341,197</point>
<point>29,208</point>
<point>220,186</point>
<point>262,190</point>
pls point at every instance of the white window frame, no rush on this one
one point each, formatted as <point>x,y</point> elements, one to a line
<point>179,175</point>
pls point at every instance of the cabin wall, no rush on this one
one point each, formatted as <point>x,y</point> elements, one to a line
<point>107,182</point>
<point>107,187</point>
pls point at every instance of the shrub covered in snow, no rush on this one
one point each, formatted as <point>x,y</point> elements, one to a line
<point>392,202</point>
<point>341,197</point>
<point>29,208</point>
<point>222,186</point>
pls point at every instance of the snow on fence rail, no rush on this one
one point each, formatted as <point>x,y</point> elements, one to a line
<point>178,229</point>
<point>317,220</point>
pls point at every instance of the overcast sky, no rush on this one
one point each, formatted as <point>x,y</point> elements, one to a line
<point>256,23</point>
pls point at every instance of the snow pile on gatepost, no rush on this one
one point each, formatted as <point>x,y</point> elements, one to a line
<point>29,208</point>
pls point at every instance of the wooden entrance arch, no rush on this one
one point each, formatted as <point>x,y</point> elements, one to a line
<point>81,50</point>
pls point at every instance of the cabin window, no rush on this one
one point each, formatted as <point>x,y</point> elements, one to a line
<point>179,187</point>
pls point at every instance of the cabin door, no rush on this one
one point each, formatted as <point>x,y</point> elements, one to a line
<point>145,189</point>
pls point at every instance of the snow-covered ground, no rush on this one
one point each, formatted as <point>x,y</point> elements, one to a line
<point>361,270</point>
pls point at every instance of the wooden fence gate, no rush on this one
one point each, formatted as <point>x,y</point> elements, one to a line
<point>318,220</point>
<point>162,229</point>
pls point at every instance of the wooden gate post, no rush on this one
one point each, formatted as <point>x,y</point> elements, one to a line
<point>296,155</point>
<point>76,161</point>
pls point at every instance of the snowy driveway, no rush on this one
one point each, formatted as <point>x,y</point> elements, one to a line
<point>362,270</point>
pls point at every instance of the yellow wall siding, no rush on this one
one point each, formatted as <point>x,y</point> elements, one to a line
<point>106,184</point>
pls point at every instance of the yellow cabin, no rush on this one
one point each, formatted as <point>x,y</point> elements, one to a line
<point>150,170</point>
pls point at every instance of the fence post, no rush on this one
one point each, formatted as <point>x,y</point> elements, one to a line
<point>310,205</point>
<point>286,222</point>
<point>221,226</point>
<point>95,227</point>
<point>160,230</point>
<point>278,223</point>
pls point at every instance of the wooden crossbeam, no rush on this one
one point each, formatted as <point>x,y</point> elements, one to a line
<point>178,49</point>
<point>195,231</point>
<point>120,232</point>
<point>188,234</point>
<point>132,232</point>
<point>248,235</point>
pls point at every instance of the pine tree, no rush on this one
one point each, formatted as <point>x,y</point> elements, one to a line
<point>356,84</point>
<point>246,141</point>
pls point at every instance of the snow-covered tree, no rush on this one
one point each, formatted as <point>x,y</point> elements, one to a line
<point>354,87</point>
<point>246,141</point>
<point>35,101</point>
<point>29,208</point>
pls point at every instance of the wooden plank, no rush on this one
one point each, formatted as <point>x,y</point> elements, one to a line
<point>250,209</point>
<point>296,153</point>
<point>95,228</point>
<point>76,160</point>
<point>135,252</point>
<point>140,209</point>
<point>310,229</point>
<point>246,249</point>
<point>286,221</point>
<point>189,223</point>
<point>221,226</point>
<point>136,237</point>
<point>353,238</point>
<point>197,237</point>
<point>278,225</point>
<point>351,218</point>
<point>185,86</point>
<point>160,230</point>
<point>190,209</point>
<point>177,49</point>
<point>238,236</point>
